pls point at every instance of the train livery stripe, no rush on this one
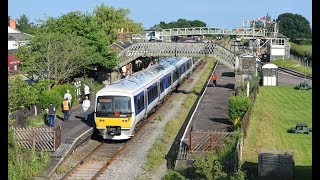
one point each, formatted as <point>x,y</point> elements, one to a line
<point>124,122</point>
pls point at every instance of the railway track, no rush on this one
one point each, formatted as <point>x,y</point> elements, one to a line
<point>294,73</point>
<point>95,162</point>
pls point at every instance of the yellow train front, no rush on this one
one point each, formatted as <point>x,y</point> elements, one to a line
<point>114,117</point>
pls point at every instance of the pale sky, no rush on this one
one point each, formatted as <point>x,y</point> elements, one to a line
<point>224,14</point>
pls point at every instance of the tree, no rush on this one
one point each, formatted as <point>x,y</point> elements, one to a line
<point>294,26</point>
<point>55,56</point>
<point>24,25</point>
<point>182,23</point>
<point>9,20</point>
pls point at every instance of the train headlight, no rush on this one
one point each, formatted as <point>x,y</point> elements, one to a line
<point>101,120</point>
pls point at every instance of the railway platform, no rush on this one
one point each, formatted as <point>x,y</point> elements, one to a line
<point>73,133</point>
<point>211,112</point>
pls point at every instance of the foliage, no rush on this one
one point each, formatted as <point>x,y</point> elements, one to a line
<point>301,51</point>
<point>277,109</point>
<point>55,95</point>
<point>208,167</point>
<point>24,25</point>
<point>54,56</point>
<point>173,175</point>
<point>37,120</point>
<point>182,23</point>
<point>22,163</point>
<point>237,107</point>
<point>294,26</point>
<point>20,94</point>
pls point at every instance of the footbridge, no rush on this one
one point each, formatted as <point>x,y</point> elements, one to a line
<point>161,49</point>
<point>243,32</point>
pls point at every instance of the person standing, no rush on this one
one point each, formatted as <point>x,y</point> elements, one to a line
<point>214,79</point>
<point>51,111</point>
<point>68,95</point>
<point>85,107</point>
<point>86,90</point>
<point>66,108</point>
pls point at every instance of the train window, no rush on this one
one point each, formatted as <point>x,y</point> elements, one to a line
<point>122,104</point>
<point>168,80</point>
<point>152,93</point>
<point>162,85</point>
<point>175,75</point>
<point>139,102</point>
<point>111,104</point>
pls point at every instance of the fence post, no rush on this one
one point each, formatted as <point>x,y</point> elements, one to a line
<point>211,141</point>
<point>33,138</point>
<point>190,139</point>
<point>54,139</point>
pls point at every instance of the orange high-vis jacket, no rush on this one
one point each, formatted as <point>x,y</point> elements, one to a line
<point>214,77</point>
<point>66,105</point>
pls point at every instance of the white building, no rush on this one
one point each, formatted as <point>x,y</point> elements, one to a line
<point>16,38</point>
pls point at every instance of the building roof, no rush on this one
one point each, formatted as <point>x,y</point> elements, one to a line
<point>16,35</point>
<point>270,66</point>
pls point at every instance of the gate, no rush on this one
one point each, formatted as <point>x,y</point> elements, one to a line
<point>47,139</point>
<point>206,141</point>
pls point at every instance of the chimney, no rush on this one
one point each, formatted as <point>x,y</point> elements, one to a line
<point>12,23</point>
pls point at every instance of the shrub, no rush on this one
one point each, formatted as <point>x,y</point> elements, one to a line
<point>20,94</point>
<point>237,107</point>
<point>173,175</point>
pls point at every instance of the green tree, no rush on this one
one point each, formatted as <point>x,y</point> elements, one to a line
<point>55,56</point>
<point>24,25</point>
<point>182,23</point>
<point>294,26</point>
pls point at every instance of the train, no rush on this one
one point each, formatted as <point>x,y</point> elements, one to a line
<point>120,106</point>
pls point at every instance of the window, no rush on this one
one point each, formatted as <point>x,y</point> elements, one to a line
<point>139,102</point>
<point>110,104</point>
<point>175,75</point>
<point>162,85</point>
<point>168,76</point>
<point>152,92</point>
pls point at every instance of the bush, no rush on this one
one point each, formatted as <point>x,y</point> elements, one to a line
<point>237,107</point>
<point>20,94</point>
<point>173,175</point>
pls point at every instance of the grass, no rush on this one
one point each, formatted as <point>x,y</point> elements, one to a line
<point>158,152</point>
<point>277,109</point>
<point>294,65</point>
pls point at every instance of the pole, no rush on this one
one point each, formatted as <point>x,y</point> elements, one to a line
<point>248,89</point>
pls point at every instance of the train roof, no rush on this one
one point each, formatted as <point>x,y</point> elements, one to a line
<point>138,80</point>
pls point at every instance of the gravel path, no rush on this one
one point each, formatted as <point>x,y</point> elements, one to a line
<point>129,165</point>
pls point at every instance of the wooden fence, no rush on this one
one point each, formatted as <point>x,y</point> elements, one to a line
<point>47,139</point>
<point>275,165</point>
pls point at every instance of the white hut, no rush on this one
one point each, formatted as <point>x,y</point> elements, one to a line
<point>270,75</point>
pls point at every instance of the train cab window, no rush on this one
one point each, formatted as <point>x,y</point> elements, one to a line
<point>110,104</point>
<point>122,104</point>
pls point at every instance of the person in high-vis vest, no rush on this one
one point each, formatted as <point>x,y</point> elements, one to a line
<point>214,79</point>
<point>66,108</point>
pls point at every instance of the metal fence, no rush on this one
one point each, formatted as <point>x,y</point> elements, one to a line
<point>47,139</point>
<point>301,61</point>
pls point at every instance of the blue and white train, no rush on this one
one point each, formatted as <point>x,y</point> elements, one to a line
<point>122,104</point>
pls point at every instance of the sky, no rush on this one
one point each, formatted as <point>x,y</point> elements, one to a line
<point>221,14</point>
